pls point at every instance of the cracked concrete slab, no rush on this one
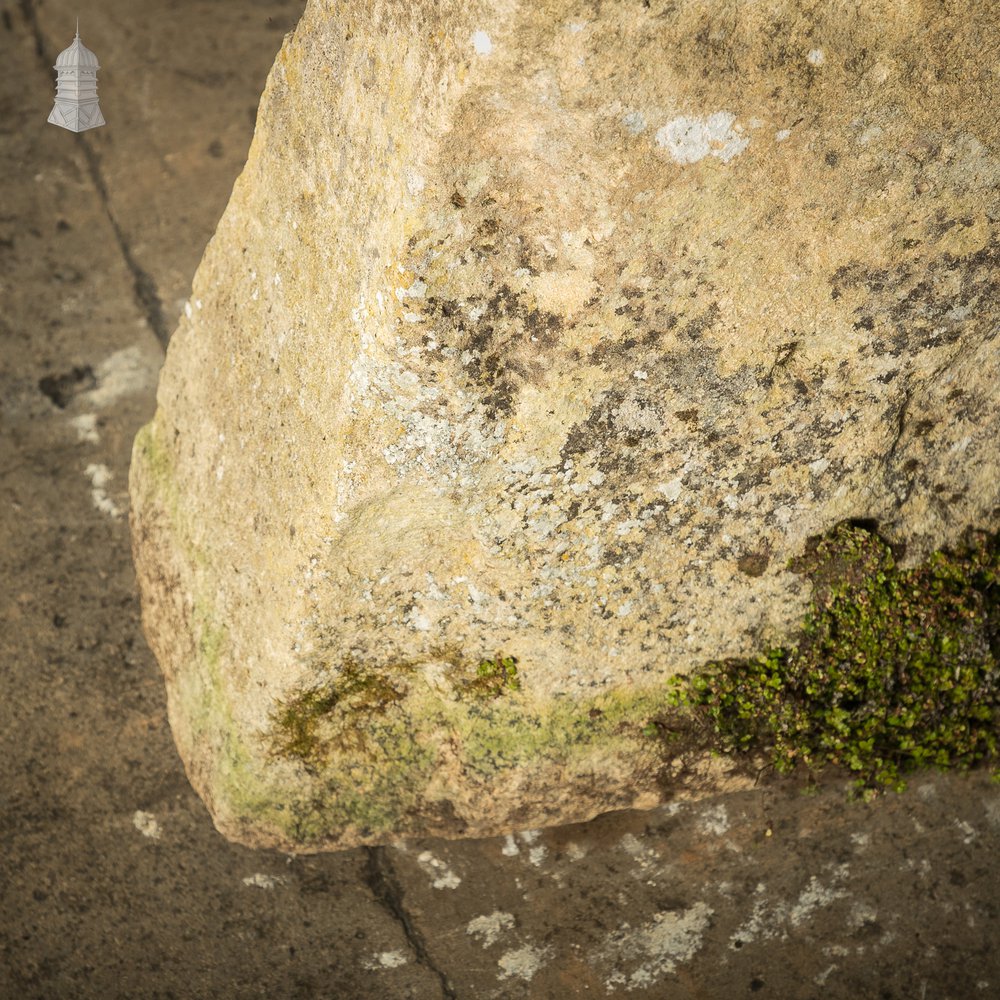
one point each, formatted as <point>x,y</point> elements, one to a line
<point>113,881</point>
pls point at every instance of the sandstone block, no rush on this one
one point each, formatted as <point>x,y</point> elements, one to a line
<point>533,343</point>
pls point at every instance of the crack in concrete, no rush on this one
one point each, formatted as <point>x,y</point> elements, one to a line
<point>146,295</point>
<point>385,886</point>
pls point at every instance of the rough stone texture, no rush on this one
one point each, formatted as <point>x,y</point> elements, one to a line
<point>553,331</point>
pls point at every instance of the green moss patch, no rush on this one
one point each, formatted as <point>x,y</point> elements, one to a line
<point>337,715</point>
<point>893,668</point>
<point>493,678</point>
<point>371,741</point>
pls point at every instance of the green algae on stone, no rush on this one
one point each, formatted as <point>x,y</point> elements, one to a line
<point>893,668</point>
<point>501,736</point>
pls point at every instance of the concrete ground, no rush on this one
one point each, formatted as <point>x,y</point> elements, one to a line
<point>113,882</point>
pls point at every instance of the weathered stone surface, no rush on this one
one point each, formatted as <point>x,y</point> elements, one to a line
<point>551,331</point>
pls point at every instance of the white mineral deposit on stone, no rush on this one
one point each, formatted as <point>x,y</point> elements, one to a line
<point>146,824</point>
<point>481,43</point>
<point>489,927</point>
<point>782,134</point>
<point>510,848</point>
<point>100,476</point>
<point>522,963</point>
<point>690,139</point>
<point>815,57</point>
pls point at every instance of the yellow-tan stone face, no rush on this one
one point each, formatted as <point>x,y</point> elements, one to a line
<point>552,332</point>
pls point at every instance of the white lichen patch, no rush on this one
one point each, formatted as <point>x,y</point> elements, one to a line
<point>415,182</point>
<point>146,824</point>
<point>385,960</point>
<point>85,426</point>
<point>821,979</point>
<point>125,373</point>
<point>522,963</point>
<point>490,927</point>
<point>690,139</point>
<point>655,948</point>
<point>815,57</point>
<point>635,122</point>
<point>771,920</point>
<point>261,880</point>
<point>967,830</point>
<point>992,807</point>
<point>816,895</point>
<point>481,43</point>
<point>442,877</point>
<point>714,820</point>
<point>510,848</point>
<point>861,913</point>
<point>536,855</point>
<point>763,921</point>
<point>100,476</point>
<point>645,857</point>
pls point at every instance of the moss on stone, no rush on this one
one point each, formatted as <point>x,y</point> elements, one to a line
<point>336,715</point>
<point>893,668</point>
<point>493,677</point>
<point>367,740</point>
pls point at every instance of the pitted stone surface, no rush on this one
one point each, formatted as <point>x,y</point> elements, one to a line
<point>550,331</point>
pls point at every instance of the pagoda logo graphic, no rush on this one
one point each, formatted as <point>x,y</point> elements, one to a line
<point>76,106</point>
